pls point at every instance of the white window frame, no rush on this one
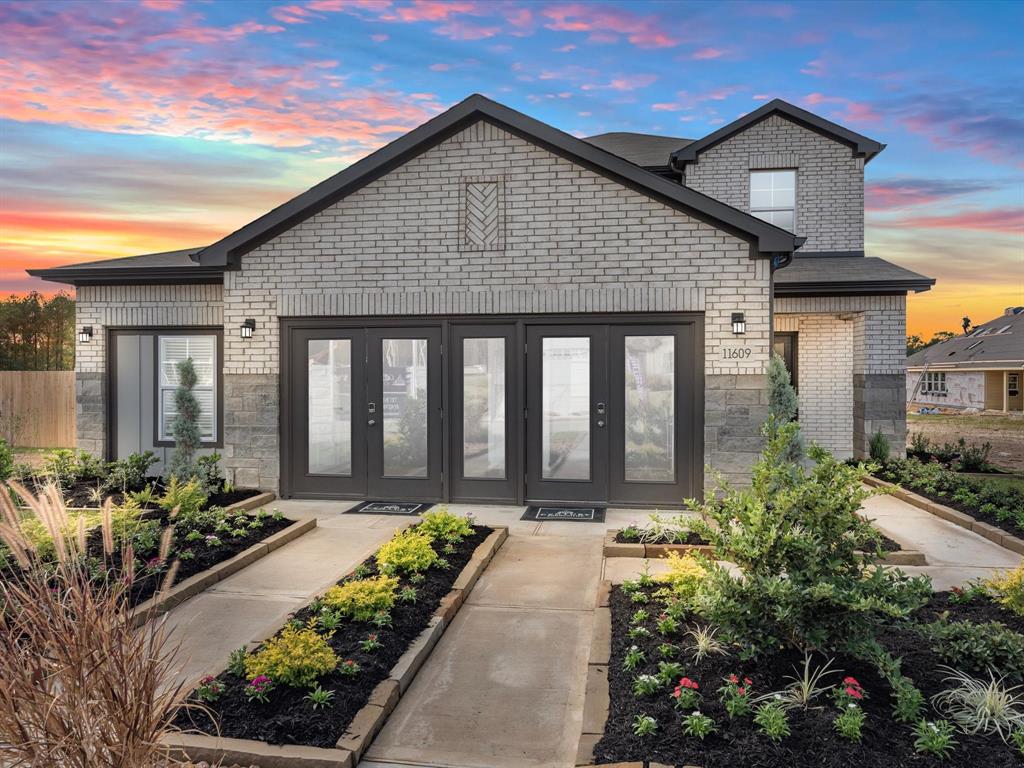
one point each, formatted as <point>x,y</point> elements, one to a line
<point>163,423</point>
<point>1013,384</point>
<point>934,383</point>
<point>767,212</point>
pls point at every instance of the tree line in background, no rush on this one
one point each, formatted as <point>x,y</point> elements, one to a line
<point>37,333</point>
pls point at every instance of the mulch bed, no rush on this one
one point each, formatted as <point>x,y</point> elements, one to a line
<point>82,495</point>
<point>288,718</point>
<point>813,742</point>
<point>982,517</point>
<point>146,585</point>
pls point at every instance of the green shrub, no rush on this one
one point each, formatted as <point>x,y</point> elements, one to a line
<point>973,458</point>
<point>878,448</point>
<point>130,473</point>
<point>407,552</point>
<point>795,535</point>
<point>189,497</point>
<point>362,599</point>
<point>442,525</point>
<point>6,460</point>
<point>209,474</point>
<point>62,467</point>
<point>977,647</point>
<point>295,657</point>
<point>1008,589</point>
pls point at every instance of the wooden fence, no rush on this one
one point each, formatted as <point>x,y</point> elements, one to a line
<point>37,408</point>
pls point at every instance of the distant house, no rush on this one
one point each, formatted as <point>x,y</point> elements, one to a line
<point>983,369</point>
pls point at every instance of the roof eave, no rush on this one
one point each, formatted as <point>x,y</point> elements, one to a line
<point>132,276</point>
<point>766,237</point>
<point>853,288</point>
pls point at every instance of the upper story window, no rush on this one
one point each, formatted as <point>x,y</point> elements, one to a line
<point>773,197</point>
<point>173,349</point>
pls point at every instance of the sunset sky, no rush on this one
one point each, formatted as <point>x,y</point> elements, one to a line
<point>133,127</point>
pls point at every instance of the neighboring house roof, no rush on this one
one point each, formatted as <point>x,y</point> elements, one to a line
<point>820,275</point>
<point>862,146</point>
<point>165,267</point>
<point>999,343</point>
<point>643,149</point>
<point>766,237</point>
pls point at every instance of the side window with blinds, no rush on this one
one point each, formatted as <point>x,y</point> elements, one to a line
<point>203,351</point>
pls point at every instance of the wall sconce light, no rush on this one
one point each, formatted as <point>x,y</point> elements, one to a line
<point>248,327</point>
<point>85,334</point>
<point>739,325</point>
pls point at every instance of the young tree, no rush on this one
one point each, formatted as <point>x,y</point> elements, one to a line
<point>782,405</point>
<point>185,426</point>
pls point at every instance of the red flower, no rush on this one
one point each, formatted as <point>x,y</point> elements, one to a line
<point>747,681</point>
<point>733,679</point>
<point>688,683</point>
<point>851,681</point>
<point>851,691</point>
<point>741,691</point>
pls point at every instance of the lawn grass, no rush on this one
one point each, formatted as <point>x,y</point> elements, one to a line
<point>1002,482</point>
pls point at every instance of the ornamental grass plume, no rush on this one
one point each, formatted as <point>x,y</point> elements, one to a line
<point>80,686</point>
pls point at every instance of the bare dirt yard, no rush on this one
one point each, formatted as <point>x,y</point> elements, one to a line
<point>1004,432</point>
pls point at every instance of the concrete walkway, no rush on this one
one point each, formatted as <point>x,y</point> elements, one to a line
<point>504,686</point>
<point>253,603</point>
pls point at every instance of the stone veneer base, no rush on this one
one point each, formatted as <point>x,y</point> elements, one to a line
<point>962,519</point>
<point>614,548</point>
<point>371,718</point>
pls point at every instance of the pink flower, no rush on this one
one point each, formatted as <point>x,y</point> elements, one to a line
<point>688,683</point>
<point>741,691</point>
<point>733,679</point>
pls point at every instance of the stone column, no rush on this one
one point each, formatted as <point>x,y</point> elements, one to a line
<point>879,378</point>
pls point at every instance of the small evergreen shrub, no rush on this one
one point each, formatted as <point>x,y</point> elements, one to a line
<point>408,551</point>
<point>295,657</point>
<point>209,474</point>
<point>878,449</point>
<point>977,647</point>
<point>130,473</point>
<point>362,599</point>
<point>185,426</point>
<point>782,398</point>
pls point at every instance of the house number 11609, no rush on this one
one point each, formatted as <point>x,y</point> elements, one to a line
<point>735,353</point>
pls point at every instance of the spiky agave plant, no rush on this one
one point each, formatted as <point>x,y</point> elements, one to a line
<point>80,686</point>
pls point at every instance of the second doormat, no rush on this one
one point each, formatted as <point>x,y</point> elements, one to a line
<point>389,508</point>
<point>567,514</point>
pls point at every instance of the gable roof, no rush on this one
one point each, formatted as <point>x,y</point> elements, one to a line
<point>999,343</point>
<point>812,275</point>
<point>765,238</point>
<point>862,146</point>
<point>644,149</point>
<point>164,267</point>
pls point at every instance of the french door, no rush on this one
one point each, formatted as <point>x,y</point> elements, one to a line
<point>365,407</point>
<point>516,409</point>
<point>610,413</point>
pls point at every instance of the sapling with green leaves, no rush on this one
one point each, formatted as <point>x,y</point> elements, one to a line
<point>772,720</point>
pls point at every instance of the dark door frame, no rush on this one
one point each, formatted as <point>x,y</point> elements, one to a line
<point>446,322</point>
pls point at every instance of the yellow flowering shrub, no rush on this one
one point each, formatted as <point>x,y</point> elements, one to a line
<point>1008,589</point>
<point>362,599</point>
<point>685,574</point>
<point>408,552</point>
<point>442,525</point>
<point>296,657</point>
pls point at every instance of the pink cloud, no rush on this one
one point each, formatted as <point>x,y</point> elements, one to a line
<point>163,5</point>
<point>687,100</point>
<point>606,24</point>
<point>379,38</point>
<point>622,83</point>
<point>291,14</point>
<point>1006,220</point>
<point>815,68</point>
<point>769,10</point>
<point>707,53</point>
<point>463,30</point>
<point>890,194</point>
<point>434,10</point>
<point>852,112</point>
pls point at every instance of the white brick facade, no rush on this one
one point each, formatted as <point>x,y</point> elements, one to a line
<point>829,179</point>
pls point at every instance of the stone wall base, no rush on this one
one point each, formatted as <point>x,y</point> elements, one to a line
<point>735,407</point>
<point>879,404</point>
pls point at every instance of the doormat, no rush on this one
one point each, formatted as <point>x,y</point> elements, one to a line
<point>389,508</point>
<point>568,514</point>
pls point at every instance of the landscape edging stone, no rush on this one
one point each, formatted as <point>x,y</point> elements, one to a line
<point>370,718</point>
<point>162,602</point>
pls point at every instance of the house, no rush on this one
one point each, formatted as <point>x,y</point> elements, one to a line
<point>490,309</point>
<point>982,370</point>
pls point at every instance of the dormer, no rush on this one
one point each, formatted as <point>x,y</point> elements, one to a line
<point>790,167</point>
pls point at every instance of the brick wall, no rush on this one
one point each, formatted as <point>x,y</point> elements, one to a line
<point>866,361</point>
<point>573,241</point>
<point>829,180</point>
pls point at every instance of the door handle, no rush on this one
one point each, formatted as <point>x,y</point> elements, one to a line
<point>600,422</point>
<point>371,422</point>
<point>600,408</point>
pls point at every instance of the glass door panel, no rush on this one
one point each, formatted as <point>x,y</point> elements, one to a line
<point>649,408</point>
<point>403,413</point>
<point>485,420</point>
<point>567,413</point>
<point>329,390</point>
<point>565,408</point>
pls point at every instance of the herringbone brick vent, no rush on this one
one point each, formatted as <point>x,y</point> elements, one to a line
<point>482,213</point>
